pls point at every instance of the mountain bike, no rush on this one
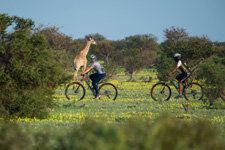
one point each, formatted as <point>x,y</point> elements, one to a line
<point>76,90</point>
<point>162,91</point>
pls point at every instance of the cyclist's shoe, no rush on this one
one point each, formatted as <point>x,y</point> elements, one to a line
<point>101,98</point>
<point>178,96</point>
<point>98,96</point>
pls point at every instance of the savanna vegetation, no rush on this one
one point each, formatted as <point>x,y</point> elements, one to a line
<point>36,65</point>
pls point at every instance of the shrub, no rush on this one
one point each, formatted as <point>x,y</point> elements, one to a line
<point>93,135</point>
<point>212,71</point>
<point>164,133</point>
<point>12,137</point>
<point>29,72</point>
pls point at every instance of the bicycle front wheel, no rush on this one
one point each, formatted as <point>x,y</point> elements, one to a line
<point>161,91</point>
<point>75,91</point>
<point>193,92</point>
<point>108,91</point>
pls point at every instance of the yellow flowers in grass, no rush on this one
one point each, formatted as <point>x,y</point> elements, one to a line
<point>133,101</point>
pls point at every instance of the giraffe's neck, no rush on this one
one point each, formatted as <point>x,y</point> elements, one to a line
<point>86,48</point>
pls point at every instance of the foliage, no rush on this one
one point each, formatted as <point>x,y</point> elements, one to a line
<point>63,47</point>
<point>29,73</point>
<point>212,71</point>
<point>104,50</point>
<point>97,37</point>
<point>111,71</point>
<point>138,53</point>
<point>132,134</point>
<point>192,50</point>
<point>12,137</point>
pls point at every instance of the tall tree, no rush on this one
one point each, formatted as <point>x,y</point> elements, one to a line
<point>104,50</point>
<point>28,71</point>
<point>191,48</point>
<point>138,53</point>
<point>212,71</point>
<point>97,37</point>
<point>63,46</point>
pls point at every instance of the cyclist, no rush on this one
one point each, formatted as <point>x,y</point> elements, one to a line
<point>96,77</point>
<point>186,72</point>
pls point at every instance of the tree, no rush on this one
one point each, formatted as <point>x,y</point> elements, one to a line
<point>138,53</point>
<point>97,37</point>
<point>104,50</point>
<point>175,34</point>
<point>212,71</point>
<point>191,48</point>
<point>28,70</point>
<point>63,46</point>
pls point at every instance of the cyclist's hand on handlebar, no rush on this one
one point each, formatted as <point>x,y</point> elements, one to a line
<point>168,75</point>
<point>82,74</point>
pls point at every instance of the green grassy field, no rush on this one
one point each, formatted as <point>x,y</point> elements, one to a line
<point>134,101</point>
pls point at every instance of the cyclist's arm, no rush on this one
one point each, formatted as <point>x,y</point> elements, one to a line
<point>88,70</point>
<point>173,70</point>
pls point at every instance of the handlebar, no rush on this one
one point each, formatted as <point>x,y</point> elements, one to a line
<point>169,78</point>
<point>83,78</point>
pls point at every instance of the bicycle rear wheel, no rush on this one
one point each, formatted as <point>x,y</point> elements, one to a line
<point>108,91</point>
<point>75,91</point>
<point>193,92</point>
<point>161,91</point>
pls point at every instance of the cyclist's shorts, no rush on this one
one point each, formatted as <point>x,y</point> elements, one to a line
<point>181,77</point>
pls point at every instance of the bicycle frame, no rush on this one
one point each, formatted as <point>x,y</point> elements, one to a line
<point>86,80</point>
<point>171,80</point>
<point>174,84</point>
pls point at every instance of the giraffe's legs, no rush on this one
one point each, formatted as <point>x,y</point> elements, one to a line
<point>75,76</point>
<point>83,70</point>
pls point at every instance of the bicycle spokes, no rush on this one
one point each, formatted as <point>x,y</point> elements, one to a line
<point>108,91</point>
<point>160,91</point>
<point>163,89</point>
<point>75,91</point>
<point>193,92</point>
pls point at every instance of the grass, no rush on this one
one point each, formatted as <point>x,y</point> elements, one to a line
<point>134,101</point>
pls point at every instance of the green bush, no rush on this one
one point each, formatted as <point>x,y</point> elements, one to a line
<point>29,72</point>
<point>168,133</point>
<point>165,133</point>
<point>162,134</point>
<point>192,49</point>
<point>93,135</point>
<point>212,71</point>
<point>12,138</point>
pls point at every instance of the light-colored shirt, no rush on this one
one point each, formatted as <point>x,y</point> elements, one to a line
<point>96,66</point>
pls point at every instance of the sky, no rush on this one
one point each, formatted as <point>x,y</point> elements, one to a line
<point>117,19</point>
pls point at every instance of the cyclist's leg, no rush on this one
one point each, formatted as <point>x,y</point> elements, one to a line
<point>184,77</point>
<point>93,76</point>
<point>181,77</point>
<point>97,78</point>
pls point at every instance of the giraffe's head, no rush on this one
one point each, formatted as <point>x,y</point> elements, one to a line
<point>92,41</point>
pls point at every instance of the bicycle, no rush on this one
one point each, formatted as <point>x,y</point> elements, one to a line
<point>162,91</point>
<point>76,90</point>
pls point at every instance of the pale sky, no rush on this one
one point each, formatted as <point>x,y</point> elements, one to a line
<point>117,19</point>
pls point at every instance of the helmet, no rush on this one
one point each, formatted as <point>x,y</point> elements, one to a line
<point>177,55</point>
<point>92,56</point>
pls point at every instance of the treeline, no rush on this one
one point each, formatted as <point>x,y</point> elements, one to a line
<point>133,53</point>
<point>204,57</point>
<point>35,60</point>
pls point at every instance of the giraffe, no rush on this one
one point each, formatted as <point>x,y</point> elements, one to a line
<point>81,60</point>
